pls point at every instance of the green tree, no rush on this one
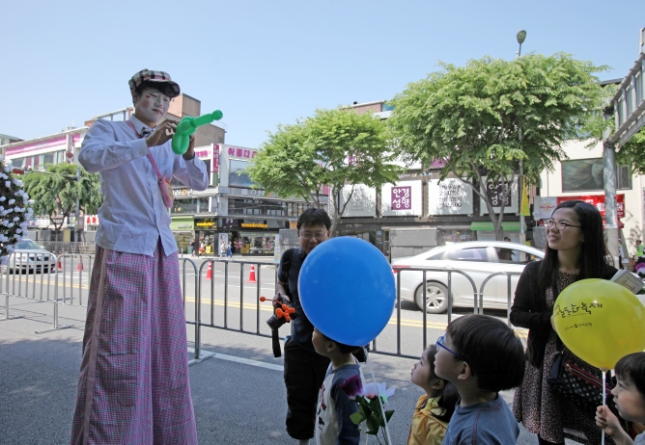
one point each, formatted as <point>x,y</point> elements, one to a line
<point>54,192</point>
<point>333,148</point>
<point>631,153</point>
<point>483,118</point>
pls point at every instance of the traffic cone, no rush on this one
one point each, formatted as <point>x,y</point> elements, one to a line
<point>80,266</point>
<point>252,275</point>
<point>209,271</point>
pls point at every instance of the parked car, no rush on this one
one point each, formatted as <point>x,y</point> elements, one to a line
<point>478,259</point>
<point>30,257</point>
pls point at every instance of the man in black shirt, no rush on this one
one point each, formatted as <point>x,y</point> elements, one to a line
<point>304,369</point>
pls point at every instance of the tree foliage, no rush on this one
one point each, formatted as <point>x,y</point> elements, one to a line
<point>54,191</point>
<point>14,210</point>
<point>333,148</point>
<point>631,153</point>
<point>483,118</point>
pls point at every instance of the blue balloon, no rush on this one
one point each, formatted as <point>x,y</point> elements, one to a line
<point>347,290</point>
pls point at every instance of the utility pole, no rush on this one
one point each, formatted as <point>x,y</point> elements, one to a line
<point>521,36</point>
<point>609,176</point>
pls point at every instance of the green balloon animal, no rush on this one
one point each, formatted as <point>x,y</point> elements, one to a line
<point>187,126</point>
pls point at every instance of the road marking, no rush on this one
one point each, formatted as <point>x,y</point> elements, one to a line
<point>522,333</point>
<point>405,322</point>
<point>245,361</point>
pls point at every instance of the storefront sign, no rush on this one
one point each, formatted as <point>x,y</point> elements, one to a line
<point>496,192</point>
<point>182,224</point>
<point>254,226</point>
<point>242,152</point>
<point>544,205</point>
<point>49,144</point>
<point>187,193</point>
<point>451,196</point>
<point>215,158</point>
<point>362,201</point>
<point>401,199</point>
<point>206,224</point>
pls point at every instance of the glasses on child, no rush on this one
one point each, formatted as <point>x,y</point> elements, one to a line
<point>440,344</point>
<point>560,225</point>
<point>319,236</point>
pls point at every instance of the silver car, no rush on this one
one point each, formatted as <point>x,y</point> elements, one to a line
<point>478,259</point>
<point>30,257</point>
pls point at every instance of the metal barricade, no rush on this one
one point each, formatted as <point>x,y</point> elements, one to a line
<point>509,295</point>
<point>233,298</point>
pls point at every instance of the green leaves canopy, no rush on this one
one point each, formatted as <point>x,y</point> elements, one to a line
<point>332,148</point>
<point>54,191</point>
<point>474,117</point>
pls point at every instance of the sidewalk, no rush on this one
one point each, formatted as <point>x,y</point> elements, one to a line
<point>238,395</point>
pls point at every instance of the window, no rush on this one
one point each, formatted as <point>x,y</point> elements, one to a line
<point>588,175</point>
<point>472,254</point>
<point>624,179</point>
<point>256,207</point>
<point>237,177</point>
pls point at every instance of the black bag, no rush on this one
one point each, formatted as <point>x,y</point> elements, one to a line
<point>577,385</point>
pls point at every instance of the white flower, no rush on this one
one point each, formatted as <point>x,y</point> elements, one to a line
<point>10,225</point>
<point>2,198</point>
<point>7,184</point>
<point>10,249</point>
<point>371,389</point>
<point>7,168</point>
<point>16,219</point>
<point>11,201</point>
<point>17,181</point>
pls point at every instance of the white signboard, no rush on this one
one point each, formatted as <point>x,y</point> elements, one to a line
<point>401,199</point>
<point>496,192</point>
<point>451,196</point>
<point>362,201</point>
<point>544,206</point>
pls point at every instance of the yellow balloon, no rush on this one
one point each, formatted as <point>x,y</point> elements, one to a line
<point>600,321</point>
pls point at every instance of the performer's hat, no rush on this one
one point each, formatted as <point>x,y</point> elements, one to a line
<point>147,75</point>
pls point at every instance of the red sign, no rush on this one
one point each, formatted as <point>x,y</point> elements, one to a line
<point>598,201</point>
<point>215,158</point>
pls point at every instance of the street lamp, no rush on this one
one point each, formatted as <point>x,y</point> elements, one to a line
<point>521,36</point>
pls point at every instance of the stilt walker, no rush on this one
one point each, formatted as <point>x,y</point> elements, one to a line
<point>133,383</point>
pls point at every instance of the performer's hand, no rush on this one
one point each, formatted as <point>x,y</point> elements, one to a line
<point>190,153</point>
<point>162,134</point>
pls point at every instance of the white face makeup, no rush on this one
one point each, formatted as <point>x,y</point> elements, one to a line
<point>151,107</point>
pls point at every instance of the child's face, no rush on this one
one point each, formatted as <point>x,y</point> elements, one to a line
<point>629,400</point>
<point>421,372</point>
<point>151,106</point>
<point>447,364</point>
<point>320,342</point>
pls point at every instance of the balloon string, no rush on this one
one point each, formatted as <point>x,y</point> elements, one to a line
<point>380,401</point>
<point>604,401</point>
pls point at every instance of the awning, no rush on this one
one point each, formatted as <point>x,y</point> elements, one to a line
<point>508,226</point>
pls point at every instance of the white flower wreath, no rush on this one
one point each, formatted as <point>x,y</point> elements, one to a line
<point>14,211</point>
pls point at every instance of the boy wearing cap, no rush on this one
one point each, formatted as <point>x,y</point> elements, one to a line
<point>133,383</point>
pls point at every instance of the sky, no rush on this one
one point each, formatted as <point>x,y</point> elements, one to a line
<point>270,62</point>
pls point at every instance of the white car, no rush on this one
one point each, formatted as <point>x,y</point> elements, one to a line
<point>30,257</point>
<point>478,259</point>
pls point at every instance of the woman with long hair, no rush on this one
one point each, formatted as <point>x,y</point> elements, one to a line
<point>575,251</point>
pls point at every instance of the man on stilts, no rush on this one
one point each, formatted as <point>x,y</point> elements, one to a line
<point>133,383</point>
